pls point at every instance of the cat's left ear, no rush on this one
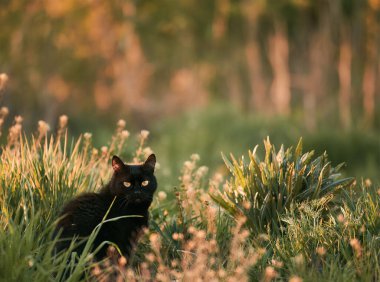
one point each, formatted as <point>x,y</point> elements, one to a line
<point>117,164</point>
<point>150,163</point>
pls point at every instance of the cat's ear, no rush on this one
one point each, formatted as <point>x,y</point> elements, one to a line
<point>117,164</point>
<point>150,163</point>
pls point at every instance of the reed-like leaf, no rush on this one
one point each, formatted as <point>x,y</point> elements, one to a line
<point>273,185</point>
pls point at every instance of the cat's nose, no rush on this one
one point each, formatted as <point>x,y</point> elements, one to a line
<point>137,191</point>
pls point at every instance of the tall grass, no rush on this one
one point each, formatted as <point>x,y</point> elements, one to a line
<point>191,237</point>
<point>37,176</point>
<point>341,244</point>
<point>264,190</point>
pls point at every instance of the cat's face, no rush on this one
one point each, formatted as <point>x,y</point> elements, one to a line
<point>134,183</point>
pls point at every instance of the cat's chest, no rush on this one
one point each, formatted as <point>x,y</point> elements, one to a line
<point>118,210</point>
<point>126,219</point>
<point>123,229</point>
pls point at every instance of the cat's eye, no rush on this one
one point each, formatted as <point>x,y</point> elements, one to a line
<point>127,184</point>
<point>145,183</point>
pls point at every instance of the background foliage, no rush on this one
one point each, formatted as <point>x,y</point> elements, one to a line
<point>206,77</point>
<point>318,60</point>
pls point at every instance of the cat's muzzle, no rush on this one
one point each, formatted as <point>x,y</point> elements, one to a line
<point>138,197</point>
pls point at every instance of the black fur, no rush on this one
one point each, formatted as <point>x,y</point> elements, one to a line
<point>82,214</point>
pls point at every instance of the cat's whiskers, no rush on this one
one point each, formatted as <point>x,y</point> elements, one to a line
<point>124,202</point>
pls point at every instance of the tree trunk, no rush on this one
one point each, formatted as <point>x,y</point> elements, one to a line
<point>256,78</point>
<point>279,59</point>
<point>257,82</point>
<point>369,76</point>
<point>344,72</point>
<point>369,82</point>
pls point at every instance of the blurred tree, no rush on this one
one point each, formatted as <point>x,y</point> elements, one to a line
<point>371,61</point>
<point>98,58</point>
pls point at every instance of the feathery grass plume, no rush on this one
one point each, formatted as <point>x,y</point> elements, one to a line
<point>269,274</point>
<point>191,192</point>
<point>62,126</point>
<point>3,81</point>
<point>198,259</point>
<point>139,156</point>
<point>3,114</point>
<point>14,134</point>
<point>272,185</point>
<point>295,279</point>
<point>197,241</point>
<point>118,139</point>
<point>43,128</point>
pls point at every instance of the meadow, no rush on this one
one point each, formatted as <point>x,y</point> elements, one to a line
<point>266,213</point>
<point>264,117</point>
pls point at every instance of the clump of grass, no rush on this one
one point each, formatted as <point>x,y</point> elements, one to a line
<point>263,190</point>
<point>37,176</point>
<point>343,246</point>
<point>196,241</point>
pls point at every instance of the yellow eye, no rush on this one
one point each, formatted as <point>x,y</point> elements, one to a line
<point>127,184</point>
<point>145,183</point>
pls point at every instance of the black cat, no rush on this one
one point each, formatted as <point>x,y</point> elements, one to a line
<point>131,188</point>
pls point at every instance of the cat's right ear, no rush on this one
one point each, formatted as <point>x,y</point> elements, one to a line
<point>150,163</point>
<point>117,164</point>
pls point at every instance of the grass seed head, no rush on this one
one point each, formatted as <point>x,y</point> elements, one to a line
<point>161,195</point>
<point>104,150</point>
<point>63,120</point>
<point>147,151</point>
<point>150,257</point>
<point>356,246</point>
<point>295,279</point>
<point>270,273</point>
<point>277,264</point>
<point>195,157</point>
<point>18,119</point>
<point>87,135</point>
<point>43,128</point>
<point>321,251</point>
<point>340,218</point>
<point>121,124</point>
<point>122,261</point>
<point>4,111</point>
<point>3,80</point>
<point>299,259</point>
<point>125,134</point>
<point>368,182</point>
<point>144,134</point>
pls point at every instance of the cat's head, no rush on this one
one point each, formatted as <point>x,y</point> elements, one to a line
<point>134,183</point>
